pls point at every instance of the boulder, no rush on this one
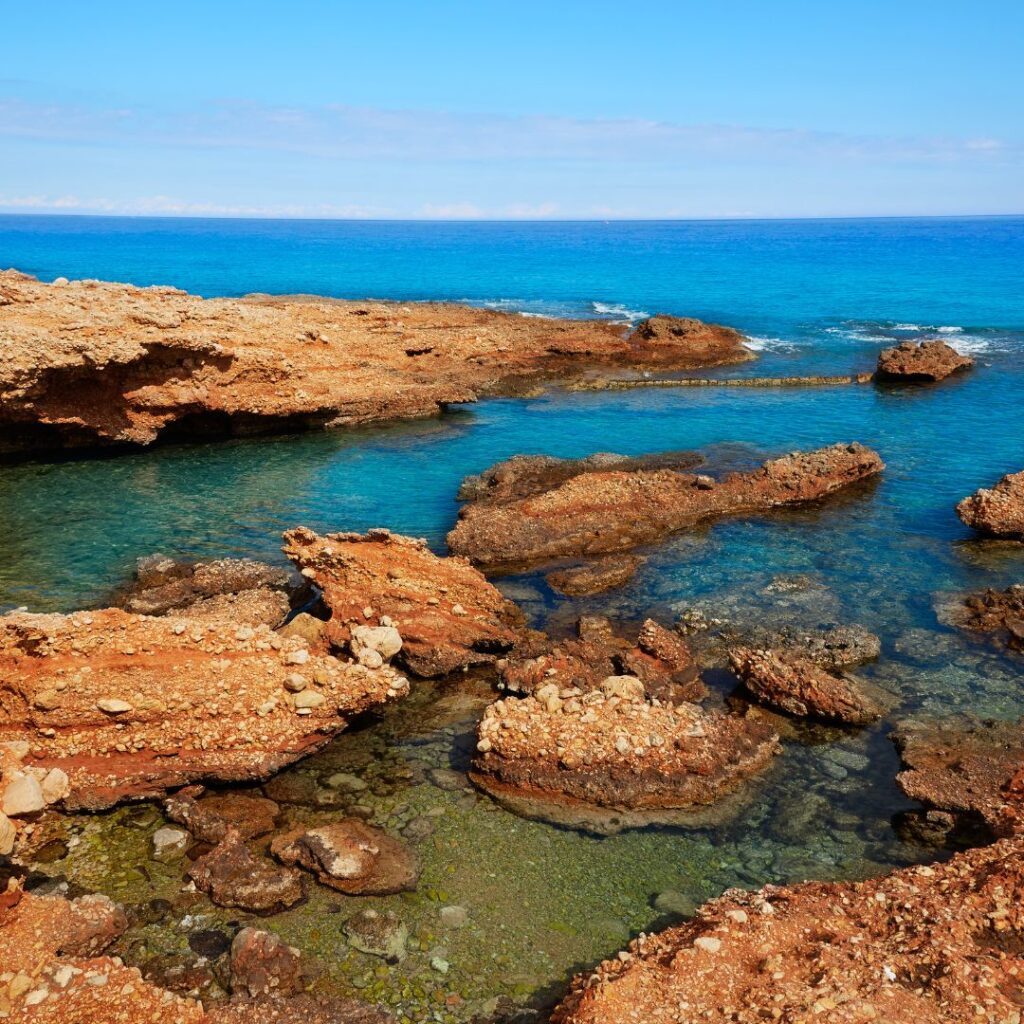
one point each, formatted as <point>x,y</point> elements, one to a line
<point>209,818</point>
<point>997,511</point>
<point>442,614</point>
<point>351,856</point>
<point>596,577</point>
<point>789,682</point>
<point>918,362</point>
<point>378,934</point>
<point>262,964</point>
<point>232,877</point>
<point>997,613</point>
<point>616,509</point>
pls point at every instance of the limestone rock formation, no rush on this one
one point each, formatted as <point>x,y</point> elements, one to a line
<point>89,363</point>
<point>999,613</point>
<point>351,856</point>
<point>997,511</point>
<point>938,944</point>
<point>920,362</point>
<point>792,683</point>
<point>612,509</point>
<point>612,758</point>
<point>446,614</point>
<point>130,706</point>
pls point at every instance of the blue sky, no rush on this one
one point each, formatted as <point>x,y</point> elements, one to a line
<point>556,109</point>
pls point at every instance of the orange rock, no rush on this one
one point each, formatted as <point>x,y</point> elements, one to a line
<point>997,511</point>
<point>920,362</point>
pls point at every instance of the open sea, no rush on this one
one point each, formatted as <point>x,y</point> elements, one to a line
<point>815,297</point>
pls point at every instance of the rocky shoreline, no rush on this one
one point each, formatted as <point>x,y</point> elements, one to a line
<point>92,364</point>
<point>199,682</point>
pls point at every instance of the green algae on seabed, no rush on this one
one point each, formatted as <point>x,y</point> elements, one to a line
<point>540,902</point>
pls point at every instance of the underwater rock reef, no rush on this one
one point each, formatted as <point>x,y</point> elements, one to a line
<point>92,364</point>
<point>606,508</point>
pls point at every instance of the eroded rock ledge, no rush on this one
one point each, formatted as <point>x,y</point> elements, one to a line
<point>938,944</point>
<point>92,364</point>
<point>608,509</point>
<point>920,362</point>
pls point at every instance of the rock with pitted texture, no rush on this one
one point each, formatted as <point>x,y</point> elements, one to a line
<point>939,944</point>
<point>92,364</point>
<point>613,509</point>
<point>659,660</point>
<point>790,682</point>
<point>611,758</point>
<point>998,613</point>
<point>130,706</point>
<point>232,877</point>
<point>262,964</point>
<point>351,856</point>
<point>969,769</point>
<point>208,818</point>
<point>446,614</point>
<point>595,577</point>
<point>237,590</point>
<point>920,362</point>
<point>997,511</point>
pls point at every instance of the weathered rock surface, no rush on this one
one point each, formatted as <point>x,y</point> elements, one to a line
<point>611,758</point>
<point>208,818</point>
<point>55,971</point>
<point>939,944</point>
<point>997,612</point>
<point>792,683</point>
<point>997,511</point>
<point>660,662</point>
<point>238,590</point>
<point>972,770</point>
<point>233,877</point>
<point>610,510</point>
<point>90,363</point>
<point>447,615</point>
<point>596,577</point>
<point>129,706</point>
<point>921,361</point>
<point>351,856</point>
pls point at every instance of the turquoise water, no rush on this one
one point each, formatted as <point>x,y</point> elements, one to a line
<point>817,297</point>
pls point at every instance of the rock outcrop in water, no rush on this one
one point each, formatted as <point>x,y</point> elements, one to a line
<point>90,364</point>
<point>938,944</point>
<point>129,706</point>
<point>793,683</point>
<point>447,614</point>
<point>970,770</point>
<point>920,362</point>
<point>997,511</point>
<point>610,508</point>
<point>596,577</point>
<point>611,758</point>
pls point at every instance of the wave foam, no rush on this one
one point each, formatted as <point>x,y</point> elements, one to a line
<point>619,313</point>
<point>758,344</point>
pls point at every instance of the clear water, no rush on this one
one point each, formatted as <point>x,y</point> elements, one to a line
<point>820,297</point>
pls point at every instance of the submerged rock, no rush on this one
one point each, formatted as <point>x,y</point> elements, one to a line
<point>378,934</point>
<point>999,613</point>
<point>262,964</point>
<point>921,361</point>
<point>190,699</point>
<point>997,511</point>
<point>937,944</point>
<point>209,818</point>
<point>792,683</point>
<point>232,877</point>
<point>595,578</point>
<point>972,770</point>
<point>605,761</point>
<point>90,364</point>
<point>612,509</point>
<point>351,856</point>
<point>441,611</point>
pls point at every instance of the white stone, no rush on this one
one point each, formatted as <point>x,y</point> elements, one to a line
<point>8,833</point>
<point>55,785</point>
<point>708,943</point>
<point>309,699</point>
<point>22,795</point>
<point>385,640</point>
<point>113,706</point>
<point>624,687</point>
<point>169,842</point>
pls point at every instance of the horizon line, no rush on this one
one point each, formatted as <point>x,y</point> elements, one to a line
<point>54,214</point>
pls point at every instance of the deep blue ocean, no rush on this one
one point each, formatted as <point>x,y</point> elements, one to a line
<point>814,297</point>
